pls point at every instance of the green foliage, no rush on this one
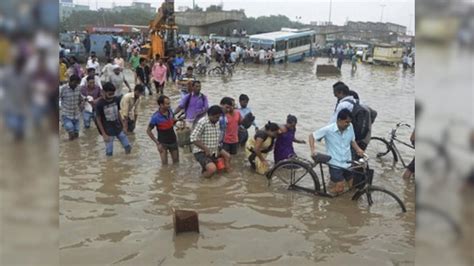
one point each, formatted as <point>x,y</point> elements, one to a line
<point>197,8</point>
<point>81,19</point>
<point>257,25</point>
<point>214,8</point>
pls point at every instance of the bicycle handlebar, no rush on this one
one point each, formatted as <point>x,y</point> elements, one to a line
<point>400,124</point>
<point>361,161</point>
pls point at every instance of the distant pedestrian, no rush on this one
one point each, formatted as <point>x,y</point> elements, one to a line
<point>71,105</point>
<point>354,62</point>
<point>93,62</point>
<point>159,73</point>
<point>184,81</point>
<point>118,79</point>
<point>143,74</point>
<point>77,43</point>
<point>107,49</point>
<point>134,61</point>
<point>340,59</point>
<point>87,43</point>
<point>119,61</point>
<point>91,73</point>
<point>90,94</point>
<point>405,61</point>
<point>75,68</point>
<point>107,70</point>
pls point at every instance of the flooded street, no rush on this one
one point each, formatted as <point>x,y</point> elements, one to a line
<point>119,210</point>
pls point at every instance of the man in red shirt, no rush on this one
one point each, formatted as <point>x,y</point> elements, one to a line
<point>233,120</point>
<point>166,140</point>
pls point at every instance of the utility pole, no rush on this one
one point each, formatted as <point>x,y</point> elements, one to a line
<point>330,7</point>
<point>194,5</point>
<point>410,32</point>
<point>381,14</point>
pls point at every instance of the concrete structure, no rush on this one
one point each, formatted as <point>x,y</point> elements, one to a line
<point>135,5</point>
<point>66,7</point>
<point>199,22</point>
<point>362,31</point>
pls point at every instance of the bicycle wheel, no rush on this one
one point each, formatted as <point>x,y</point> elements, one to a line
<point>434,159</point>
<point>379,200</point>
<point>380,150</point>
<point>293,174</point>
<point>435,227</point>
<point>213,71</point>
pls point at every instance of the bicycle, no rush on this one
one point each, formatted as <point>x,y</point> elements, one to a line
<point>440,161</point>
<point>200,69</point>
<point>221,70</point>
<point>297,173</point>
<point>433,221</point>
<point>380,148</point>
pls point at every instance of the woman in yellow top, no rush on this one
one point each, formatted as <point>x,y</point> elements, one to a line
<point>63,77</point>
<point>258,147</point>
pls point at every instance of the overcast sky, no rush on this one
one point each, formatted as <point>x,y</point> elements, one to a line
<point>396,11</point>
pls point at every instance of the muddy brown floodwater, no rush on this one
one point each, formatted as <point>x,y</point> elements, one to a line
<point>118,210</point>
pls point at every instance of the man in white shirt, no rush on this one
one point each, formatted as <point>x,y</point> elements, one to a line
<point>261,55</point>
<point>118,79</point>
<point>233,55</point>
<point>345,100</point>
<point>107,70</point>
<point>93,62</point>
<point>119,61</point>
<point>91,73</point>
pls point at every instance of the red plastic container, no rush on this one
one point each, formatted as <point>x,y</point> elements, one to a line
<point>220,164</point>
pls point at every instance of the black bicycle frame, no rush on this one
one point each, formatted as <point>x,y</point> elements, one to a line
<point>394,147</point>
<point>367,179</point>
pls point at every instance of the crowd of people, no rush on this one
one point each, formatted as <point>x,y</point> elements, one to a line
<point>218,131</point>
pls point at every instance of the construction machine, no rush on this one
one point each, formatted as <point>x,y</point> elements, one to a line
<point>163,33</point>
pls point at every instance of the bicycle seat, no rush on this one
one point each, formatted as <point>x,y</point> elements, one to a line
<point>321,158</point>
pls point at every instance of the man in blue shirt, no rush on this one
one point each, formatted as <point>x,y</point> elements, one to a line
<point>339,138</point>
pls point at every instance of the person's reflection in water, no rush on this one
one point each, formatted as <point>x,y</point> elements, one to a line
<point>112,178</point>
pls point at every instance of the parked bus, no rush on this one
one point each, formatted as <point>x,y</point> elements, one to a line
<point>290,44</point>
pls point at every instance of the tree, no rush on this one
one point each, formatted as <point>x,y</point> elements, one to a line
<point>214,8</point>
<point>79,20</point>
<point>197,8</point>
<point>258,25</point>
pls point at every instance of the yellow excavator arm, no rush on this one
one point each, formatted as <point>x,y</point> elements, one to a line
<point>162,32</point>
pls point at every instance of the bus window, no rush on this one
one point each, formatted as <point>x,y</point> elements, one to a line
<point>280,46</point>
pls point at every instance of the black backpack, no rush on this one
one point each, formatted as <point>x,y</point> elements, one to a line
<point>248,120</point>
<point>362,120</point>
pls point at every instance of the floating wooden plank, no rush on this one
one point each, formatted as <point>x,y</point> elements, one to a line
<point>327,70</point>
<point>185,221</point>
